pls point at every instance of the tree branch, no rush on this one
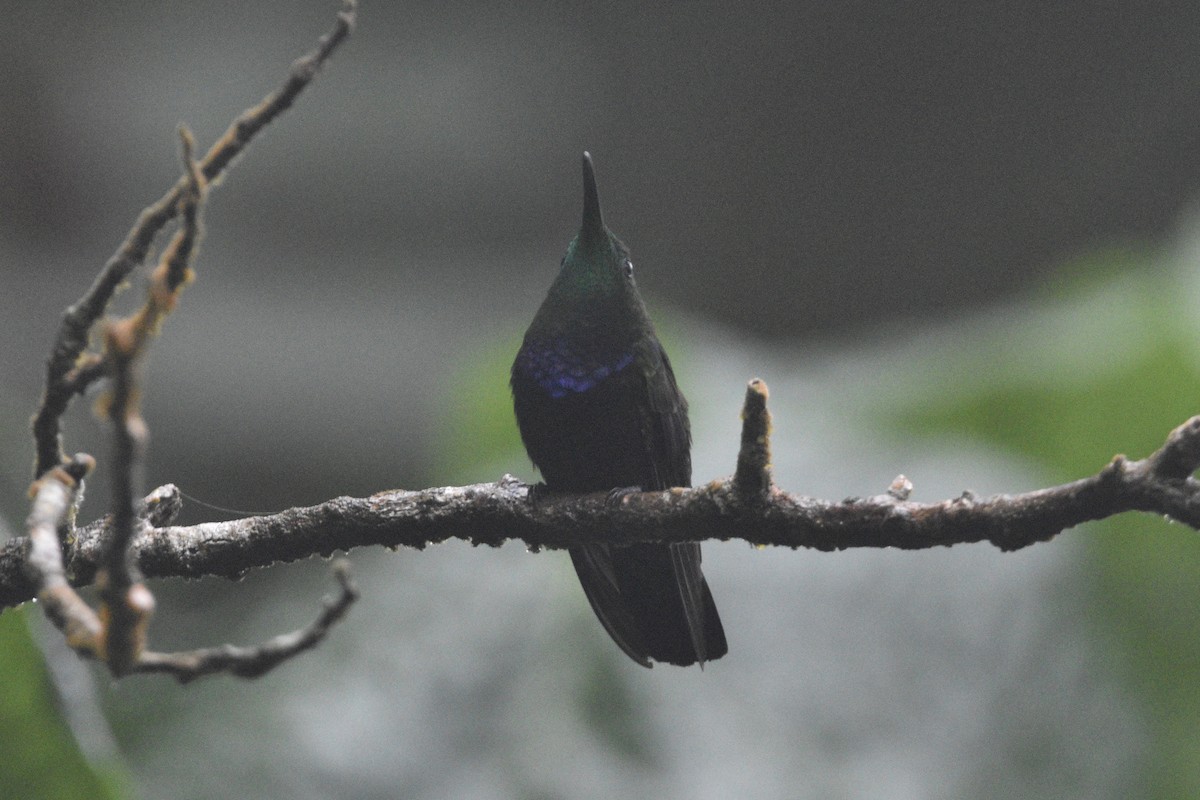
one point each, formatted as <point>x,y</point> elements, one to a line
<point>493,513</point>
<point>137,540</point>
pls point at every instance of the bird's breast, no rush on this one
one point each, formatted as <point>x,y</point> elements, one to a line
<point>562,368</point>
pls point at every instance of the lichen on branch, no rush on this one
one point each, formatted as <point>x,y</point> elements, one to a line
<point>494,513</point>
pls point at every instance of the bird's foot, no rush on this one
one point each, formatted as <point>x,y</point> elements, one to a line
<point>616,496</point>
<point>537,493</point>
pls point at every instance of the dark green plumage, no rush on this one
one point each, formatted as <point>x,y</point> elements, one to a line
<point>598,409</point>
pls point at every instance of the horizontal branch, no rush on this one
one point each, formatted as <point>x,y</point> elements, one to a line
<point>493,513</point>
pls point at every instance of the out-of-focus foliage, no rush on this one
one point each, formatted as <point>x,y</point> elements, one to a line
<point>38,755</point>
<point>1072,398</point>
<point>477,427</point>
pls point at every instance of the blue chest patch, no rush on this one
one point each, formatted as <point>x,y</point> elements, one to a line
<point>561,370</point>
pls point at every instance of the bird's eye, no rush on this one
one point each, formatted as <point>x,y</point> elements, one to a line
<point>628,268</point>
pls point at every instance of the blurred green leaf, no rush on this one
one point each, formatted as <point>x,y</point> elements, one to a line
<point>1076,428</point>
<point>477,432</point>
<point>1143,573</point>
<point>39,759</point>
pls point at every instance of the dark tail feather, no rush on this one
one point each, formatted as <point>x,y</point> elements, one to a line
<point>699,610</point>
<point>653,601</point>
<point>594,566</point>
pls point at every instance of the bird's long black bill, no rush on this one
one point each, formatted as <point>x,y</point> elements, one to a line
<point>593,219</point>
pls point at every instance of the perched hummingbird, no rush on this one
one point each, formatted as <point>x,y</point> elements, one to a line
<point>598,409</point>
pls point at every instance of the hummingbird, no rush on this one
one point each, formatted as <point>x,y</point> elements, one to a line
<point>599,410</point>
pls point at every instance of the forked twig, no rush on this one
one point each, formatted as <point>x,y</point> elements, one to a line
<point>117,633</point>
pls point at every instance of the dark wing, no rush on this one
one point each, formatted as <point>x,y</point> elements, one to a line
<point>668,435</point>
<point>578,444</point>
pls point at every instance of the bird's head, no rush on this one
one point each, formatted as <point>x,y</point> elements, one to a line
<point>596,265</point>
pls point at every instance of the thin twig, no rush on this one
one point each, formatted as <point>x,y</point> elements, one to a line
<point>126,604</point>
<point>252,662</point>
<point>65,376</point>
<point>752,478</point>
<point>117,634</point>
<point>53,495</point>
<point>252,120</point>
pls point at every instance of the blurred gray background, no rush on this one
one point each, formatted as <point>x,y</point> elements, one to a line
<point>801,184</point>
<point>790,169</point>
